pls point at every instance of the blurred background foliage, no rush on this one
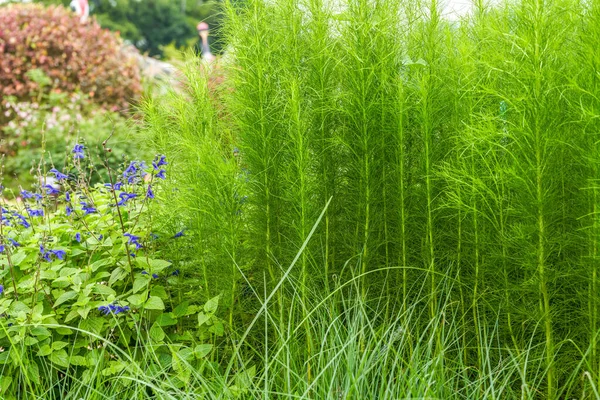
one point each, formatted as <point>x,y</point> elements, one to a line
<point>151,25</point>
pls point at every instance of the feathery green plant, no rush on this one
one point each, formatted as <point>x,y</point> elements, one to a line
<point>458,161</point>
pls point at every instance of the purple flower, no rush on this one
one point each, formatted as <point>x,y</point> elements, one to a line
<point>113,308</point>
<point>14,242</point>
<point>78,237</point>
<point>149,193</point>
<point>59,175</point>
<point>78,151</point>
<point>1,289</point>
<point>68,196</point>
<point>87,209</point>
<point>155,276</point>
<point>131,169</point>
<point>161,174</point>
<point>178,235</point>
<point>2,248</point>
<point>22,220</point>
<point>60,254</point>
<point>5,220</point>
<point>159,161</point>
<point>144,272</point>
<point>69,210</point>
<point>116,186</point>
<point>125,197</point>
<point>29,195</point>
<point>133,240</point>
<point>26,195</point>
<point>35,213</point>
<point>51,190</point>
<point>175,273</point>
<point>47,256</point>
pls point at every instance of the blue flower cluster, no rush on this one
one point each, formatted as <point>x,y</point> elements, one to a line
<point>113,309</point>
<point>28,195</point>
<point>87,208</point>
<point>133,240</point>
<point>134,172</point>
<point>154,276</point>
<point>59,175</point>
<point>49,255</point>
<point>125,197</point>
<point>9,216</point>
<point>78,151</point>
<point>116,186</point>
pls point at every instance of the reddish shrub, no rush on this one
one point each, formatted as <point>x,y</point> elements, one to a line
<point>73,55</point>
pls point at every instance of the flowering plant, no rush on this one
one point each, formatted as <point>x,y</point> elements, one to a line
<point>76,258</point>
<point>44,128</point>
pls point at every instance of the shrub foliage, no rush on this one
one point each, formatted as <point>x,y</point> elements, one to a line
<point>83,287</point>
<point>74,56</point>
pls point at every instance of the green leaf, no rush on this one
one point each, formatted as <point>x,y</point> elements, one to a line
<point>154,303</point>
<point>40,332</point>
<point>72,315</point>
<point>103,290</point>
<point>44,350</point>
<point>181,309</point>
<point>156,333</point>
<point>5,382</point>
<point>79,360</point>
<point>103,262</point>
<point>217,328</point>
<point>114,368</point>
<point>93,325</point>
<point>64,331</point>
<point>202,350</point>
<point>33,372</point>
<point>212,304</point>
<point>166,319</point>
<point>140,283</point>
<point>117,274</point>
<point>30,341</point>
<point>59,345</point>
<point>65,297</point>
<point>157,266</point>
<point>18,257</point>
<point>60,358</point>
<point>19,306</point>
<point>137,300</point>
<point>202,318</point>
<point>159,291</point>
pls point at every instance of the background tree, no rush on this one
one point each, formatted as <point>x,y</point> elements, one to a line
<point>152,24</point>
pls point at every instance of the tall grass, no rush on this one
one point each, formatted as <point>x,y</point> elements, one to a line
<point>459,164</point>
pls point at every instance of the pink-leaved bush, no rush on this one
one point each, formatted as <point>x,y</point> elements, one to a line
<point>74,55</point>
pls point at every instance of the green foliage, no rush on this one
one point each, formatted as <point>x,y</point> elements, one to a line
<point>45,128</point>
<point>460,159</point>
<point>84,287</point>
<point>152,24</point>
<point>74,56</point>
<point>213,200</point>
